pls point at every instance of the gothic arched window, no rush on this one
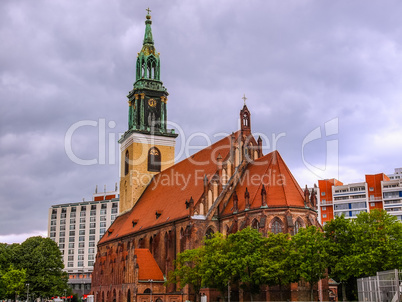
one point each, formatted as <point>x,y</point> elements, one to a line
<point>209,233</point>
<point>151,66</point>
<point>245,120</point>
<point>154,160</point>
<point>276,227</point>
<point>298,226</point>
<point>126,163</point>
<point>255,224</point>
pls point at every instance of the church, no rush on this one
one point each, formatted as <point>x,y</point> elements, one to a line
<point>167,207</point>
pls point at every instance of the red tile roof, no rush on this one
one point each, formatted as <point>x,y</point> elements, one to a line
<point>281,187</point>
<point>169,190</point>
<point>148,268</point>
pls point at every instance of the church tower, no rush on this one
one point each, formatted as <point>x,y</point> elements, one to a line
<point>147,147</point>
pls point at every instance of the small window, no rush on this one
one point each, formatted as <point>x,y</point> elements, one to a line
<point>322,193</point>
<point>371,189</point>
<point>324,215</point>
<point>324,208</point>
<point>372,204</point>
<point>154,160</point>
<point>126,163</point>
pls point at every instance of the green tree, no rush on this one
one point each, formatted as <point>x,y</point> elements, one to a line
<point>244,250</point>
<point>188,270</point>
<point>310,256</point>
<point>43,263</point>
<point>340,239</point>
<point>215,265</point>
<point>13,282</point>
<point>277,267</point>
<point>378,243</point>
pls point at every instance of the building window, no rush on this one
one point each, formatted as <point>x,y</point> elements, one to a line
<point>62,234</point>
<point>114,211</point>
<point>72,233</point>
<point>324,215</point>
<point>82,220</point>
<point>71,239</point>
<point>92,213</point>
<point>82,232</point>
<point>70,258</point>
<point>80,251</point>
<point>63,215</point>
<point>61,239</point>
<point>113,217</point>
<point>371,189</point>
<point>53,222</point>
<point>61,246</point>
<point>103,224</point>
<point>103,218</point>
<point>322,193</point>
<point>372,204</point>
<point>82,226</point>
<point>72,221</point>
<point>92,219</point>
<point>62,227</point>
<point>80,263</point>
<point>62,221</point>
<point>81,244</point>
<point>154,160</point>
<point>92,225</point>
<point>126,163</point>
<point>276,227</point>
<point>91,250</point>
<point>91,257</point>
<point>72,226</point>
<point>91,237</point>
<point>324,208</point>
<point>53,234</point>
<point>72,215</point>
<point>80,257</point>
<point>91,244</point>
<point>71,245</point>
<point>102,231</point>
<point>70,264</point>
<point>71,252</point>
<point>90,263</point>
<point>92,231</point>
<point>54,216</point>
<point>82,238</point>
<point>103,211</point>
<point>297,227</point>
<point>83,214</point>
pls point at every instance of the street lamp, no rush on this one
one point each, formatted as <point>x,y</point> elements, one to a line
<point>65,294</point>
<point>27,285</point>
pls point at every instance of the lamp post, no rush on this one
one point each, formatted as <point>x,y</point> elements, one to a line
<point>27,285</point>
<point>65,294</point>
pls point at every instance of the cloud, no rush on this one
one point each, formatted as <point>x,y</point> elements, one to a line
<point>300,65</point>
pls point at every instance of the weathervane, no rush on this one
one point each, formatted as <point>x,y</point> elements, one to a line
<point>148,10</point>
<point>244,99</point>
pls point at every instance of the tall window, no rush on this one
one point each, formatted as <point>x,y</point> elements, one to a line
<point>276,227</point>
<point>298,226</point>
<point>126,163</point>
<point>154,160</point>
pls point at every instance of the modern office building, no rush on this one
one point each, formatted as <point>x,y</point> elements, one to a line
<point>378,191</point>
<point>77,228</point>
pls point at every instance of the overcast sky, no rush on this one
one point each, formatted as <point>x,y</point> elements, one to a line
<point>308,69</point>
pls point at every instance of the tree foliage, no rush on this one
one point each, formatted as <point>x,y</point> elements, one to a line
<point>13,282</point>
<point>40,260</point>
<point>310,255</point>
<point>188,269</point>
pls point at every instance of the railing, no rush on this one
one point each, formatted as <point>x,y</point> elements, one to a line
<point>384,287</point>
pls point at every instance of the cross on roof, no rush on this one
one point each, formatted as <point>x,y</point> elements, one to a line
<point>148,10</point>
<point>244,99</point>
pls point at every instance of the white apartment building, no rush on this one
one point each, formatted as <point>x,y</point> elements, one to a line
<point>379,191</point>
<point>77,228</point>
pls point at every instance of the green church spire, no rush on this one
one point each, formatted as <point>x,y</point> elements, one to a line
<point>148,99</point>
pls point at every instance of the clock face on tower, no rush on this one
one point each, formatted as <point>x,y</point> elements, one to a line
<point>152,102</point>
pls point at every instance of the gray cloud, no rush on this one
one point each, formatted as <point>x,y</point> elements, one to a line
<point>300,64</point>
